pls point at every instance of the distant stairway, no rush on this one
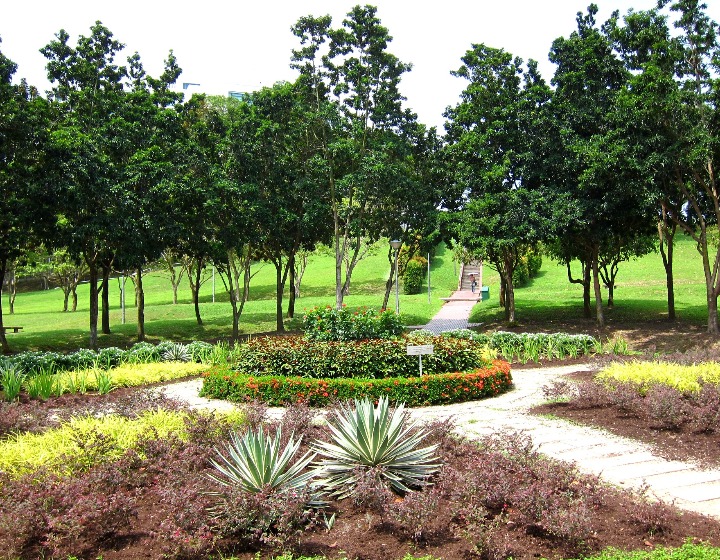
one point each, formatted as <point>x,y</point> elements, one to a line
<point>472,268</point>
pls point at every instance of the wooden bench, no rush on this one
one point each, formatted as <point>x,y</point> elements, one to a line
<point>13,329</point>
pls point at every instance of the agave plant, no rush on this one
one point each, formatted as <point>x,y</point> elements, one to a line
<point>176,353</point>
<point>255,463</point>
<point>369,437</point>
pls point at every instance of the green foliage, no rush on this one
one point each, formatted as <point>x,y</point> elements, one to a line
<point>367,437</point>
<point>413,276</point>
<point>330,323</point>
<point>280,390</point>
<point>377,358</point>
<point>534,346</point>
<point>254,463</point>
<point>11,378</point>
<point>103,381</point>
<point>42,386</point>
<point>521,273</point>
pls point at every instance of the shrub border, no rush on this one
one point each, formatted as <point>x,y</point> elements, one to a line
<point>428,390</point>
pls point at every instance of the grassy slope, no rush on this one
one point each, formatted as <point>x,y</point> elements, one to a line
<point>640,293</point>
<point>45,326</point>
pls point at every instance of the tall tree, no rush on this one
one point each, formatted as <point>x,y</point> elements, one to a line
<point>353,80</point>
<point>598,191</point>
<point>489,142</point>
<point>99,154</point>
<point>693,201</point>
<point>26,200</point>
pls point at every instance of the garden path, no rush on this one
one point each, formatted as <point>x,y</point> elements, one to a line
<point>620,461</point>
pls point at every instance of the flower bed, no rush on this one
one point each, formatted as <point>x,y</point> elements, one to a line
<point>278,390</point>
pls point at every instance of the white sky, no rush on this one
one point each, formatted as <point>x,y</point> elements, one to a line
<point>246,44</point>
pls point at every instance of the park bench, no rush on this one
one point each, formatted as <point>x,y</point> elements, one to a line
<point>13,329</point>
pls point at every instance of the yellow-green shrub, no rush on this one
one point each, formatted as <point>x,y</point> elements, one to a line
<point>645,374</point>
<point>133,375</point>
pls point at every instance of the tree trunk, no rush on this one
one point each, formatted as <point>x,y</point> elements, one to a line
<point>611,294</point>
<point>13,292</point>
<point>509,298</point>
<point>93,305</point>
<point>502,293</point>
<point>712,314</point>
<point>106,269</point>
<point>195,290</point>
<point>140,298</point>
<point>74,298</point>
<point>3,339</point>
<point>292,294</point>
<point>667,239</point>
<point>66,293</point>
<point>279,289</point>
<point>599,314</point>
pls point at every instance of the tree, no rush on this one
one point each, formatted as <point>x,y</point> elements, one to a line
<point>598,192</point>
<point>489,141</point>
<point>67,273</point>
<point>26,199</point>
<point>692,197</point>
<point>352,81</point>
<point>101,160</point>
<point>291,211</point>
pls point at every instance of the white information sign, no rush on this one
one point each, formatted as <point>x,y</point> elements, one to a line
<point>420,349</point>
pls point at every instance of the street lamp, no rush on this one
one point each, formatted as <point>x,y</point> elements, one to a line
<point>396,244</point>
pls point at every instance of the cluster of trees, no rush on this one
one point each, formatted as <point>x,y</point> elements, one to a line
<point>608,163</point>
<point>115,168</point>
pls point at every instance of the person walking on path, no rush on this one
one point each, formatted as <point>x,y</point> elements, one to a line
<point>473,283</point>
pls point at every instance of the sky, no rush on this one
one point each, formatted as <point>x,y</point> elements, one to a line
<point>245,45</point>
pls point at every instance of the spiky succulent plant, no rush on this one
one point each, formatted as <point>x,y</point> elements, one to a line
<point>366,437</point>
<point>254,463</point>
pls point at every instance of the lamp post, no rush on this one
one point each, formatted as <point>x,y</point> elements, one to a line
<point>396,244</point>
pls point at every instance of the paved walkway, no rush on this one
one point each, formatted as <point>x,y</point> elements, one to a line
<point>620,461</point>
<point>454,314</point>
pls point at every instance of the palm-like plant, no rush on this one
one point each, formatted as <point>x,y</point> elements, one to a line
<point>255,463</point>
<point>368,437</point>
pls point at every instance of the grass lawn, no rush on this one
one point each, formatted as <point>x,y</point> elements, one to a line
<point>46,327</point>
<point>640,292</point>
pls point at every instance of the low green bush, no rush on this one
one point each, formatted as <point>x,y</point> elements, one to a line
<point>413,277</point>
<point>299,357</point>
<point>34,363</point>
<point>530,346</point>
<point>279,390</point>
<point>332,324</point>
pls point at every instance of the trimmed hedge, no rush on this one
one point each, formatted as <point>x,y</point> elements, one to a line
<point>278,390</point>
<point>296,356</point>
<point>329,323</point>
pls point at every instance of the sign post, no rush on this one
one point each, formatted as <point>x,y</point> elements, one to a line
<point>419,350</point>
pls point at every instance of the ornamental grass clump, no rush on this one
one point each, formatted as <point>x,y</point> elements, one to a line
<point>366,438</point>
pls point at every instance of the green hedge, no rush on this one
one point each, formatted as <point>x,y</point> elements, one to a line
<point>413,277</point>
<point>329,323</point>
<point>296,356</point>
<point>277,390</point>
